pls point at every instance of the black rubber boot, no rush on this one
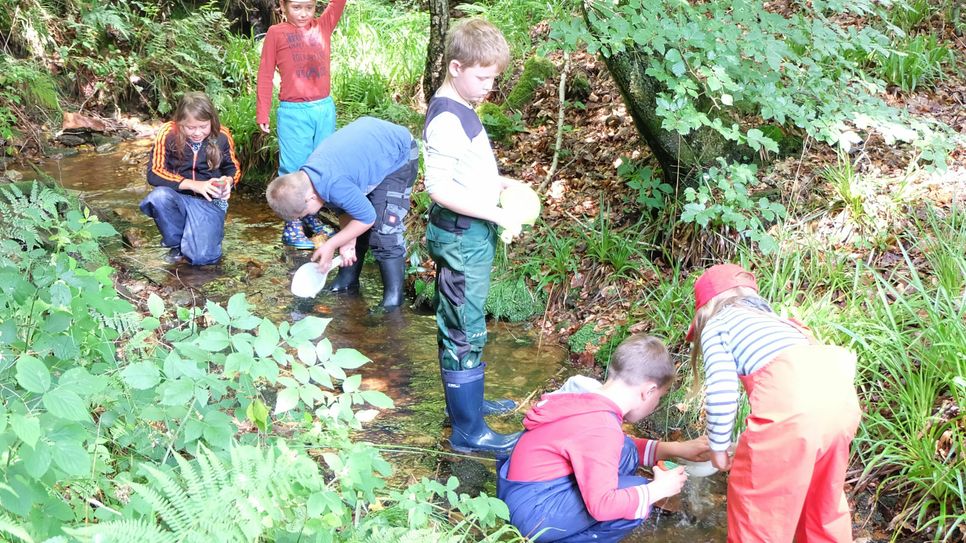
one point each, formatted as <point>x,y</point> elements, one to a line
<point>464,400</point>
<point>347,279</point>
<point>392,271</point>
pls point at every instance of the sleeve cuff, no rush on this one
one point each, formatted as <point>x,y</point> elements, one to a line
<point>643,503</point>
<point>647,451</point>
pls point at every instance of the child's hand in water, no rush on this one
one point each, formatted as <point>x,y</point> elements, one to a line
<point>666,483</point>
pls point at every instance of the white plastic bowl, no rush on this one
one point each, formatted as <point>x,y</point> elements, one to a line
<point>698,469</point>
<point>308,280</point>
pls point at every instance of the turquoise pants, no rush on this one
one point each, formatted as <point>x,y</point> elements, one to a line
<point>301,128</point>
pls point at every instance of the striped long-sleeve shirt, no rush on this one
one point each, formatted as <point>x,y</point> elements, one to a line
<point>737,341</point>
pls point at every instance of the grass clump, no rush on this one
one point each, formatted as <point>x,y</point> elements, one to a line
<point>513,300</point>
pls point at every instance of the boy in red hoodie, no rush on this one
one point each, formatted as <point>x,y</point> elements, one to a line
<point>571,477</point>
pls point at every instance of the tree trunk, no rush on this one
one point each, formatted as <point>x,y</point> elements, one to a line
<point>438,25</point>
<point>682,158</point>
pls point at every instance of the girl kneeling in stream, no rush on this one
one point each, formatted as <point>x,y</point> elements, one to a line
<point>193,169</point>
<point>788,470</point>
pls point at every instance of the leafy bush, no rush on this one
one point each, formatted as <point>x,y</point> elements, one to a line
<point>723,200</point>
<point>554,259</point>
<point>910,341</point>
<point>101,402</point>
<point>651,191</point>
<point>608,246</point>
<point>257,151</point>
<point>727,64</point>
<point>909,14</point>
<point>26,93</point>
<point>134,50</point>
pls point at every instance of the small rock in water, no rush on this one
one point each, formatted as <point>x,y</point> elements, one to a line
<point>134,237</point>
<point>13,175</point>
<point>60,152</point>
<point>672,504</point>
<point>367,415</point>
<point>106,147</point>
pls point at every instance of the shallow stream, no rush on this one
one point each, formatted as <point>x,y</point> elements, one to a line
<point>402,346</point>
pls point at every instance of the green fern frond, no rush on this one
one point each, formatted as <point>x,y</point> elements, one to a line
<point>26,218</point>
<point>9,526</point>
<point>179,512</point>
<point>124,531</point>
<point>255,494</point>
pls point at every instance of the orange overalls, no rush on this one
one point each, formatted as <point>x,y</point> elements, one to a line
<point>789,467</point>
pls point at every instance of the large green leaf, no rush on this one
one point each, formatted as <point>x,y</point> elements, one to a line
<point>287,399</point>
<point>155,305</point>
<point>377,399</point>
<point>71,457</point>
<point>237,306</point>
<point>349,359</point>
<point>32,374</point>
<point>352,383</point>
<point>308,328</point>
<point>141,375</point>
<point>66,404</point>
<point>27,428</point>
<point>267,338</point>
<point>218,313</point>
<point>37,461</point>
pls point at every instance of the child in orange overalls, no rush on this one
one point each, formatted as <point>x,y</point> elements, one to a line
<point>788,470</point>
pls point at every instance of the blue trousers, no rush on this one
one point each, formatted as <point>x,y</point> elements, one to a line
<point>555,509</point>
<point>190,222</point>
<point>301,128</point>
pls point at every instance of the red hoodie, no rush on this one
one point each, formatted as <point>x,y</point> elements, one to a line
<point>581,434</point>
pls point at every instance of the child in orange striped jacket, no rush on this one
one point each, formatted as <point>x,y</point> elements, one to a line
<point>193,170</point>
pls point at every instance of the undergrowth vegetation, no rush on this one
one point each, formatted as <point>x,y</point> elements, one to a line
<point>157,423</point>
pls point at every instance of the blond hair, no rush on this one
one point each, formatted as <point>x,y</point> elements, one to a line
<point>640,359</point>
<point>476,42</point>
<point>704,314</point>
<point>286,195</point>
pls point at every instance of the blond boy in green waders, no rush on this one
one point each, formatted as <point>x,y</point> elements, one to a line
<point>463,182</point>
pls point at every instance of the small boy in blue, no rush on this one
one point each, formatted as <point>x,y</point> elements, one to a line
<point>365,173</point>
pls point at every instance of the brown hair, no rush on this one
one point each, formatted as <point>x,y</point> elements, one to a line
<point>476,42</point>
<point>704,314</point>
<point>286,195</point>
<point>200,108</point>
<point>639,359</point>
